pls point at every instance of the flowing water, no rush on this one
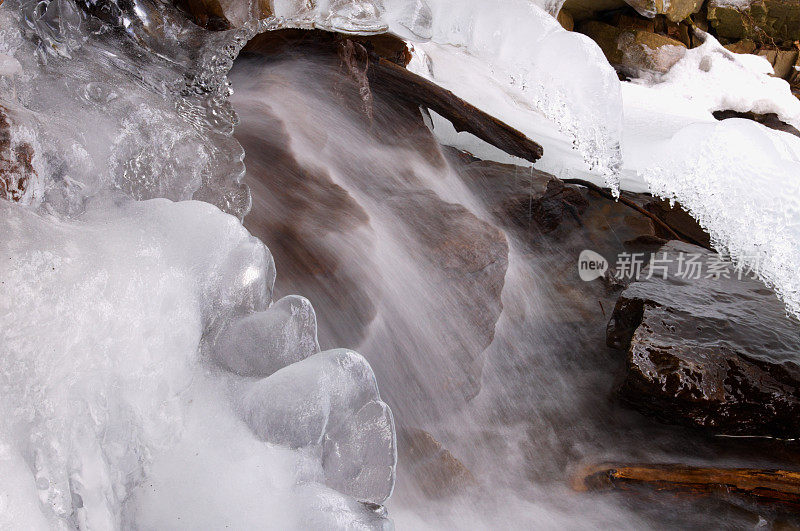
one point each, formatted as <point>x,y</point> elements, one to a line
<point>132,393</point>
<point>523,404</point>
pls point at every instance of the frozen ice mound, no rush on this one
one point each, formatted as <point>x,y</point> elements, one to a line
<point>330,401</point>
<point>739,180</point>
<point>261,343</point>
<point>102,318</point>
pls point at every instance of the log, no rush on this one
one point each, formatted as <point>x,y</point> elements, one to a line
<point>772,487</point>
<point>382,58</point>
<point>406,85</point>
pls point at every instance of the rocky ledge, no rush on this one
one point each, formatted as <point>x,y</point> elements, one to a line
<point>708,346</point>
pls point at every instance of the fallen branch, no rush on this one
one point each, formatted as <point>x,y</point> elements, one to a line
<point>627,202</point>
<point>416,89</point>
<point>775,487</point>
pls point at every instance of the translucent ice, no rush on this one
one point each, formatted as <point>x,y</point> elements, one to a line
<point>262,343</point>
<point>330,400</point>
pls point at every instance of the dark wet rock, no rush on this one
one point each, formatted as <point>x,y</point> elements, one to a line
<point>584,9</point>
<point>678,220</point>
<point>275,43</point>
<point>770,120</point>
<point>436,471</point>
<point>16,161</point>
<point>715,353</point>
<point>318,221</point>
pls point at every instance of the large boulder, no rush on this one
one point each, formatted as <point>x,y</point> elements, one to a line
<point>763,21</point>
<point>708,346</point>
<point>633,51</point>
<point>364,228</point>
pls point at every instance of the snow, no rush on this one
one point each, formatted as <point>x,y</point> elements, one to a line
<point>715,78</point>
<point>737,178</point>
<point>534,67</point>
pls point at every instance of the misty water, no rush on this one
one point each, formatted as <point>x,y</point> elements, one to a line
<point>247,288</point>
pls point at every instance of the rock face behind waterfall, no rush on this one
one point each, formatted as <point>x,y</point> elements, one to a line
<point>715,353</point>
<point>369,231</point>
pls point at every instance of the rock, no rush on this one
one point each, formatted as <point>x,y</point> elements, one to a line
<point>742,46</point>
<point>675,10</point>
<point>363,234</point>
<point>433,468</point>
<point>633,51</point>
<point>16,162</point>
<point>225,14</point>
<point>679,220</point>
<point>566,20</point>
<point>586,9</point>
<point>764,21</point>
<point>770,120</point>
<point>782,61</point>
<point>769,487</point>
<point>630,21</point>
<point>714,353</point>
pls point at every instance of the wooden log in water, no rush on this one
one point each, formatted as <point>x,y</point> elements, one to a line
<point>772,487</point>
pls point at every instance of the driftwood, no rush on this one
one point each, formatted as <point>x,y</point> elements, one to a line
<point>779,488</point>
<point>396,80</point>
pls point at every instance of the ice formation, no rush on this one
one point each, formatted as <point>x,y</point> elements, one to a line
<point>538,68</point>
<point>736,177</point>
<point>138,332</point>
<point>134,319</point>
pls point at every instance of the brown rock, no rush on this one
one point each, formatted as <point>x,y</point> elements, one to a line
<point>679,221</point>
<point>742,46</point>
<point>327,224</point>
<point>675,10</point>
<point>566,20</point>
<point>707,348</point>
<point>782,61</point>
<point>434,469</point>
<point>764,21</point>
<point>633,51</point>
<point>16,162</point>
